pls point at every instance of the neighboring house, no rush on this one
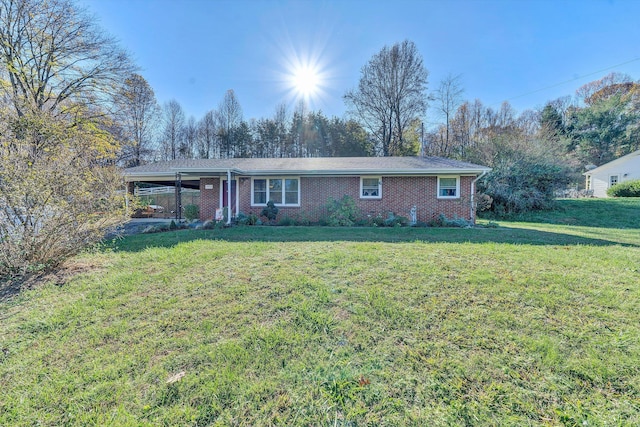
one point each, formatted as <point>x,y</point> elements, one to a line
<point>301,187</point>
<point>625,168</point>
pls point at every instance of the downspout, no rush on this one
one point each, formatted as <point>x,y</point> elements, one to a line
<point>472,215</point>
<point>229,196</point>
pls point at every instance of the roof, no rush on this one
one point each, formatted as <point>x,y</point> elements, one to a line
<point>615,162</point>
<point>307,166</point>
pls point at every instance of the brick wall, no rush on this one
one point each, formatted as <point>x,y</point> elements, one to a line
<point>399,194</point>
<point>209,198</point>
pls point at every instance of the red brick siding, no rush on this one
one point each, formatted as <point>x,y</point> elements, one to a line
<point>399,194</point>
<point>209,199</point>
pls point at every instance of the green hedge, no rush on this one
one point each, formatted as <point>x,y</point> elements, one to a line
<point>625,189</point>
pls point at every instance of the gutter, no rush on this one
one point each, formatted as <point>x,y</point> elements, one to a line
<point>472,215</point>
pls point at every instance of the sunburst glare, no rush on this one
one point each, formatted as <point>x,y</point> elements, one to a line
<point>305,80</point>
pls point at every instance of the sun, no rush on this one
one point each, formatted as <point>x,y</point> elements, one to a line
<point>306,81</point>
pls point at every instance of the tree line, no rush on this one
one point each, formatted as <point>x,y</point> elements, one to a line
<point>224,133</point>
<point>600,123</point>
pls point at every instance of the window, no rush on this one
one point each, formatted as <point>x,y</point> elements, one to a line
<point>282,191</point>
<point>275,191</point>
<point>371,188</point>
<point>448,187</point>
<point>613,180</point>
<point>259,191</point>
<point>290,191</point>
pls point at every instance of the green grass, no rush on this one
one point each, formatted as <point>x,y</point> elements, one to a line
<point>530,323</point>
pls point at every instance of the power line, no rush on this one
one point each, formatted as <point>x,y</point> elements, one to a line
<point>568,81</point>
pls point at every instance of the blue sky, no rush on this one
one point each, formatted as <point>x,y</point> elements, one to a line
<point>526,51</point>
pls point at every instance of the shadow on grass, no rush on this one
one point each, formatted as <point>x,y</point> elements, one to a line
<point>507,235</point>
<point>619,213</point>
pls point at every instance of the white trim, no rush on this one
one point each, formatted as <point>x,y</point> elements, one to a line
<point>457,178</point>
<point>283,178</point>
<point>379,195</point>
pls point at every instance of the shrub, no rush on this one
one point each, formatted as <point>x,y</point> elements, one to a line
<point>625,189</point>
<point>443,221</point>
<point>395,221</point>
<point>270,211</point>
<point>523,185</point>
<point>58,197</point>
<point>286,221</point>
<point>244,219</point>
<point>343,212</point>
<point>192,212</point>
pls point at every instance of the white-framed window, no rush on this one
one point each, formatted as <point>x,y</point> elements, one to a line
<point>370,187</point>
<point>448,187</point>
<point>588,185</point>
<point>283,191</point>
<point>613,180</point>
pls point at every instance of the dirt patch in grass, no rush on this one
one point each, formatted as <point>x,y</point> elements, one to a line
<point>59,277</point>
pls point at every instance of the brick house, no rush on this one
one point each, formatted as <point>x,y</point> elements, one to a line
<point>301,187</point>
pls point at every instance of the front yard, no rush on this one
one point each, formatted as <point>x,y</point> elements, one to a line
<point>529,323</point>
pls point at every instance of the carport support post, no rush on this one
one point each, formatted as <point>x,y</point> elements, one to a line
<point>229,196</point>
<point>178,196</point>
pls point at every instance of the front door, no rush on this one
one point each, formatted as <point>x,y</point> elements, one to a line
<point>225,195</point>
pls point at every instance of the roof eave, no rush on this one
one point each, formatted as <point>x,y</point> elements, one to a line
<point>450,171</point>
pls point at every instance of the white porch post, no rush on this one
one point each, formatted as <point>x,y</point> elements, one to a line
<point>229,196</point>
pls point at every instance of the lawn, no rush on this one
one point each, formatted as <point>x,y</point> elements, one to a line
<point>535,322</point>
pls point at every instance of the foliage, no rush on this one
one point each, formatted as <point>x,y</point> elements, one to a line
<point>605,130</point>
<point>56,197</point>
<point>625,189</point>
<point>526,324</point>
<point>343,212</point>
<point>270,211</point>
<point>244,219</point>
<point>395,221</point>
<point>191,212</point>
<point>523,185</point>
<point>59,192</point>
<point>443,221</point>
<point>390,96</point>
<point>286,221</point>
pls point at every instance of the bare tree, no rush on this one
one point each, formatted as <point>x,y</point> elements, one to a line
<point>391,95</point>
<point>447,98</point>
<point>138,115</point>
<point>207,136</point>
<point>173,127</point>
<point>189,138</point>
<point>229,117</point>
<point>52,53</point>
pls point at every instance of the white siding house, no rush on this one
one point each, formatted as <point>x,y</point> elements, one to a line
<point>622,169</point>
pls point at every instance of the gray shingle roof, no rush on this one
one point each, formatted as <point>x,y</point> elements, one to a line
<point>310,166</point>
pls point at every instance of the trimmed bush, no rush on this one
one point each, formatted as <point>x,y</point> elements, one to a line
<point>270,211</point>
<point>625,189</point>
